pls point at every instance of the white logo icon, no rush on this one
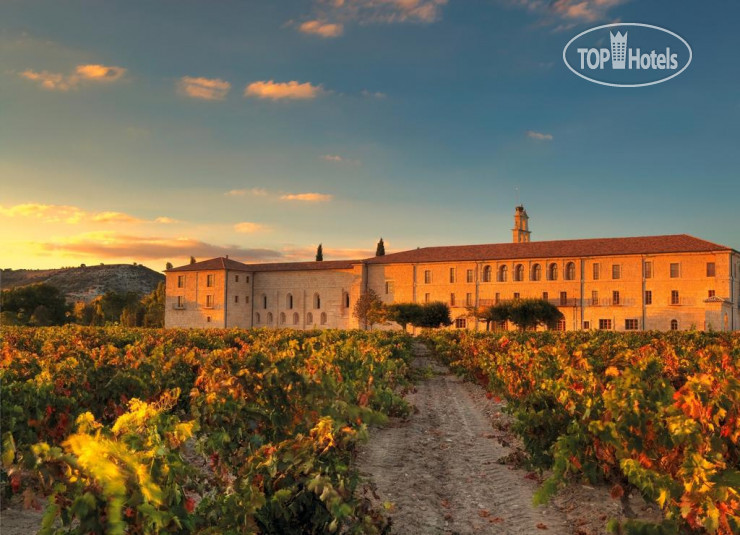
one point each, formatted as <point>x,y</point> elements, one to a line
<point>619,49</point>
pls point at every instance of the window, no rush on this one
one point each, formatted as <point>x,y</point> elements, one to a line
<point>427,276</point>
<point>516,295</point>
<point>597,271</point>
<point>545,296</point>
<point>181,281</point>
<point>648,297</point>
<point>452,300</point>
<point>616,271</point>
<point>282,318</point>
<point>675,270</point>
<point>594,298</point>
<point>180,301</point>
<point>389,287</point>
<point>460,323</point>
<point>675,300</point>
<point>711,269</point>
<point>560,325</point>
<point>586,324</point>
<point>452,275</point>
<point>648,270</point>
<point>247,279</point>
<point>236,299</point>
<point>711,293</point>
<point>487,274</point>
<point>264,301</point>
<point>469,299</point>
<point>316,301</point>
<point>269,318</point>
<point>258,318</point>
<point>563,299</point>
<point>674,325</point>
<point>346,300</point>
<point>605,324</point>
<point>497,298</point>
<point>426,298</point>
<point>536,272</point>
<point>296,318</point>
<point>208,319</point>
<point>519,272</point>
<point>236,278</point>
<point>469,276</point>
<point>289,301</point>
<point>570,271</point>
<point>210,280</point>
<point>615,297</point>
<point>246,299</point>
<point>631,324</point>
<point>309,318</point>
<point>503,273</point>
<point>323,318</point>
<point>552,272</point>
<point>209,301</point>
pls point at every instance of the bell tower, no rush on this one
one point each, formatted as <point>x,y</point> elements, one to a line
<point>521,230</point>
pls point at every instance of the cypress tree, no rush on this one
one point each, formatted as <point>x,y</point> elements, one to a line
<point>319,253</point>
<point>380,250</point>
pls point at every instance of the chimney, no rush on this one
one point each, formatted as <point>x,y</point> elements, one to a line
<point>521,230</point>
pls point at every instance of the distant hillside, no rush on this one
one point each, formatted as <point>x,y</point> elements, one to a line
<point>86,283</point>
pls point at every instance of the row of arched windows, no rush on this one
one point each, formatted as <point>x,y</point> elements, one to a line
<point>283,318</point>
<point>316,301</point>
<point>535,272</point>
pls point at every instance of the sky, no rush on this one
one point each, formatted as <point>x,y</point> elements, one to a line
<point>152,130</point>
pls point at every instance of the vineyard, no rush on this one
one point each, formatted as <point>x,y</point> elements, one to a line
<point>144,431</point>
<point>653,412</point>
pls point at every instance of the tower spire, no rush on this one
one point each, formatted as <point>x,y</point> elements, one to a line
<point>521,230</point>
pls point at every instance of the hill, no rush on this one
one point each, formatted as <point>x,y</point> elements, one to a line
<point>86,283</point>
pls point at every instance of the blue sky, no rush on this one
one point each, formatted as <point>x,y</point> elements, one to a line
<point>152,130</point>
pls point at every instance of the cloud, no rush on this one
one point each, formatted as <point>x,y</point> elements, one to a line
<point>322,29</point>
<point>372,94</point>
<point>203,88</point>
<point>379,11</point>
<point>114,217</point>
<point>83,73</point>
<point>283,90</point>
<point>72,215</point>
<point>166,220</point>
<point>298,254</point>
<point>248,227</point>
<point>106,245</point>
<point>539,135</point>
<point>335,158</point>
<point>256,192</point>
<point>574,11</point>
<point>307,197</point>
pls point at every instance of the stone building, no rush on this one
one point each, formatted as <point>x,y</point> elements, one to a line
<point>674,282</point>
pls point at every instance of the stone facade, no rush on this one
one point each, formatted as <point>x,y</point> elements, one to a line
<point>662,283</point>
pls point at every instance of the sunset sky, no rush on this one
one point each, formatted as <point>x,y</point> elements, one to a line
<point>152,130</point>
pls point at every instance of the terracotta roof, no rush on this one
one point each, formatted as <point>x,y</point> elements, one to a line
<point>213,264</point>
<point>678,243</point>
<point>233,265</point>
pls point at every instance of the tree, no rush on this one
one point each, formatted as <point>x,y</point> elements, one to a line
<point>527,313</point>
<point>36,304</point>
<point>369,309</point>
<point>320,253</point>
<point>192,260</point>
<point>404,313</point>
<point>433,315</point>
<point>380,250</point>
<point>168,265</point>
<point>153,307</point>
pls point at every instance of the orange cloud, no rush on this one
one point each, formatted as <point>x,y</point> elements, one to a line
<point>54,213</point>
<point>283,90</point>
<point>249,228</point>
<point>257,192</point>
<point>204,88</point>
<point>570,10</point>
<point>83,73</point>
<point>48,80</point>
<point>307,197</point>
<point>100,73</point>
<point>166,220</point>
<point>114,217</point>
<point>322,29</point>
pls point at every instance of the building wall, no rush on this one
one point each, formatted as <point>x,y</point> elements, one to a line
<point>193,288</point>
<point>239,299</point>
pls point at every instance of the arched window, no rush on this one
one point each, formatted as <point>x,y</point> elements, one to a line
<point>316,301</point>
<point>269,318</point>
<point>503,273</point>
<point>674,325</point>
<point>487,271</point>
<point>282,318</point>
<point>264,301</point>
<point>258,318</point>
<point>323,318</point>
<point>309,318</point>
<point>345,299</point>
<point>552,272</point>
<point>296,318</point>
<point>289,301</point>
<point>536,272</point>
<point>519,272</point>
<point>570,271</point>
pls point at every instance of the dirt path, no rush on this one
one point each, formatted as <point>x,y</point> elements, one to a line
<point>439,472</point>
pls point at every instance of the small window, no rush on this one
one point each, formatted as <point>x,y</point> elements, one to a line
<point>346,300</point>
<point>560,325</point>
<point>208,319</point>
<point>586,325</point>
<point>209,301</point>
<point>563,299</point>
<point>427,276</point>
<point>236,278</point>
<point>282,318</point>
<point>269,318</point>
<point>309,318</point>
<point>674,325</point>
<point>631,324</point>
<point>711,293</point>
<point>289,301</point>
<point>181,281</point>
<point>469,276</point>
<point>452,274</point>
<point>616,271</point>
<point>675,270</point>
<point>257,318</point>
<point>468,299</point>
<point>452,300</point>
<point>605,324</point>
<point>597,271</point>
<point>236,299</point>
<point>210,280</point>
<point>546,296</point>
<point>536,272</point>
<point>516,295</point>
<point>711,269</point>
<point>460,323</point>
<point>570,271</point>
<point>426,298</point>
<point>296,318</point>
<point>389,287</point>
<point>487,270</point>
<point>519,272</point>
<point>552,272</point>
<point>316,301</point>
<point>246,299</point>
<point>615,297</point>
<point>497,299</point>
<point>648,270</point>
<point>247,279</point>
<point>594,298</point>
<point>648,297</point>
<point>675,299</point>
<point>323,318</point>
<point>264,301</point>
<point>503,273</point>
<point>180,301</point>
